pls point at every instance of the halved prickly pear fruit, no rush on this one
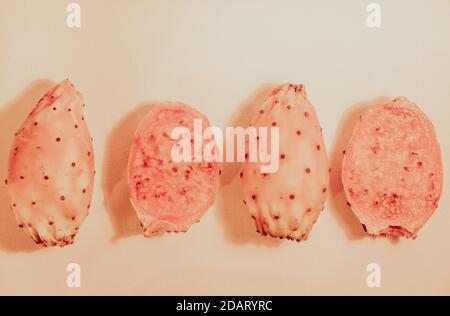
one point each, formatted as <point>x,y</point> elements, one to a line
<point>286,203</point>
<point>169,196</point>
<point>392,169</point>
<point>51,168</point>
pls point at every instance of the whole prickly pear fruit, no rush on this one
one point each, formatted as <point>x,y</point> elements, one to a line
<point>51,168</point>
<point>392,169</point>
<point>286,203</point>
<point>168,195</point>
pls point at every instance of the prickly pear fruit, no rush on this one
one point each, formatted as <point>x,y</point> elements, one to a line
<point>286,203</point>
<point>392,169</point>
<point>51,168</point>
<point>168,196</point>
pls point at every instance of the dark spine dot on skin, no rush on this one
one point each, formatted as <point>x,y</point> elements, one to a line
<point>318,147</point>
<point>306,114</point>
<point>324,190</point>
<point>33,203</point>
<point>45,177</point>
<point>282,156</point>
<point>21,177</point>
<point>307,170</point>
<point>84,191</point>
<point>274,123</point>
<point>58,139</point>
<point>54,109</point>
<point>73,164</point>
<point>288,107</point>
<point>253,197</point>
<point>292,196</point>
<point>299,133</point>
<point>35,123</point>
<point>308,210</point>
<point>241,174</point>
<point>62,197</point>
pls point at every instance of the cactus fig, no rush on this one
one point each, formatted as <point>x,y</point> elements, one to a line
<point>168,196</point>
<point>286,203</point>
<point>51,168</point>
<point>392,169</point>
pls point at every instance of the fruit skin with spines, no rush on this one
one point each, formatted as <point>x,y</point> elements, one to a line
<point>286,203</point>
<point>169,196</point>
<point>51,168</point>
<point>392,169</point>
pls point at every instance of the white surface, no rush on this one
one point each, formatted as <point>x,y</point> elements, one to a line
<point>221,56</point>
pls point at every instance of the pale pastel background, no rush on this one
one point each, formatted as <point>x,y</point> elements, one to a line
<point>222,57</point>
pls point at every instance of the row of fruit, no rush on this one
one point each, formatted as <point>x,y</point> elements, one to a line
<point>391,172</point>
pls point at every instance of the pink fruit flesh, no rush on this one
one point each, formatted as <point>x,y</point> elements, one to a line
<point>287,203</point>
<point>392,169</point>
<point>168,196</point>
<point>51,168</point>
